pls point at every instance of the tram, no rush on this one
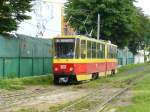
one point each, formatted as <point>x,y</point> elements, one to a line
<point>79,58</point>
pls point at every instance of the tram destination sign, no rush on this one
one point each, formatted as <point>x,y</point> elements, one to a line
<point>64,40</point>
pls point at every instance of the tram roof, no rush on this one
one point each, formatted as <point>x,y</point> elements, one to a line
<point>88,38</point>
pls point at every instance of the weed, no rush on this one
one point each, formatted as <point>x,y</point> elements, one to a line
<point>21,83</point>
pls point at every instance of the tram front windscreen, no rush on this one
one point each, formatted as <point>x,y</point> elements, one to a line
<point>64,48</point>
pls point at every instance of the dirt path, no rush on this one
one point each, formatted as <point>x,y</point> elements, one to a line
<point>41,99</point>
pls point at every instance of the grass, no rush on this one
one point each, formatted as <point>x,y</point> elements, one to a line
<point>58,107</point>
<point>28,110</point>
<point>75,108</point>
<point>141,99</point>
<point>21,83</point>
<point>131,66</point>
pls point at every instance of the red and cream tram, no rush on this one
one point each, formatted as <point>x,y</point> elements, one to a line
<point>79,58</point>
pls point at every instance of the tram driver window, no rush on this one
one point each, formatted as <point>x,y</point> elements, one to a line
<point>64,48</point>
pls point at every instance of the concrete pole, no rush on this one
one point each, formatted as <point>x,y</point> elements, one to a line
<point>62,21</point>
<point>98,27</point>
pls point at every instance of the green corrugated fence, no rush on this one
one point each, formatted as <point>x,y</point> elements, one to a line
<point>125,57</point>
<point>25,56</point>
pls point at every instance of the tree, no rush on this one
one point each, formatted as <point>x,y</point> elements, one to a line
<point>142,32</point>
<point>12,12</point>
<point>121,21</point>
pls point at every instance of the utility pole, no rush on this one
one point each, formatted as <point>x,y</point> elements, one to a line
<point>98,27</point>
<point>62,21</point>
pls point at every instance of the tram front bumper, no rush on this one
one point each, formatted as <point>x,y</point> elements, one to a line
<point>63,78</point>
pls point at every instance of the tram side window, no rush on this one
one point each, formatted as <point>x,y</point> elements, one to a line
<point>77,53</point>
<point>103,51</point>
<point>108,51</point>
<point>115,52</point>
<point>93,49</point>
<point>83,49</point>
<point>112,52</point>
<point>98,51</point>
<point>89,51</point>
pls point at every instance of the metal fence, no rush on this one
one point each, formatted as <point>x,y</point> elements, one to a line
<point>125,57</point>
<point>24,56</point>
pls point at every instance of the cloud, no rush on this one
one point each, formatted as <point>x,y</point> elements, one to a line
<point>145,5</point>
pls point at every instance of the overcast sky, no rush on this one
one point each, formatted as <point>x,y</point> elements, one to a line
<point>145,5</point>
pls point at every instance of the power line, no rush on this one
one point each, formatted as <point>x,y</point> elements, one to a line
<point>84,23</point>
<point>45,28</point>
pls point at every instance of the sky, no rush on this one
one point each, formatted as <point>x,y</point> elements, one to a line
<point>145,5</point>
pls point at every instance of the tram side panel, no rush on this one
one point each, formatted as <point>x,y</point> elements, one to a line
<point>111,67</point>
<point>84,71</point>
<point>111,61</point>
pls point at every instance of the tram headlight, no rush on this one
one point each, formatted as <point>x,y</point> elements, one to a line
<point>56,69</point>
<point>71,69</point>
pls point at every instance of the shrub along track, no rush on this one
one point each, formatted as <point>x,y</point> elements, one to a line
<point>99,96</point>
<point>98,100</point>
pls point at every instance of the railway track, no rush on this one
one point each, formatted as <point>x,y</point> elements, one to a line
<point>10,100</point>
<point>131,82</point>
<point>105,98</point>
<point>14,99</point>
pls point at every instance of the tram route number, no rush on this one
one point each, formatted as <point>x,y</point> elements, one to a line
<point>63,66</point>
<point>64,40</point>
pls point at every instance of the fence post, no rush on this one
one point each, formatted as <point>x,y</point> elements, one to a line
<point>44,66</point>
<point>33,57</point>
<point>32,66</point>
<point>3,68</point>
<point>19,59</point>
